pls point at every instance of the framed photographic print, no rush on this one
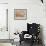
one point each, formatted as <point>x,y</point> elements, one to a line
<point>20,14</point>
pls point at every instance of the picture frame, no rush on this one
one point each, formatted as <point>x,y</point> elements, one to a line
<point>20,14</point>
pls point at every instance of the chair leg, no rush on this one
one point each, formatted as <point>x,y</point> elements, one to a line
<point>32,42</point>
<point>20,42</point>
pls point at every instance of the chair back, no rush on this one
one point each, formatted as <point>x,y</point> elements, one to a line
<point>33,28</point>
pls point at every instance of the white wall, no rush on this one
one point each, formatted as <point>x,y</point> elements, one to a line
<point>35,13</point>
<point>3,34</point>
<point>3,1</point>
<point>3,21</point>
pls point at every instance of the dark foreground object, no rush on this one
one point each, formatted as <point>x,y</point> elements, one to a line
<point>29,44</point>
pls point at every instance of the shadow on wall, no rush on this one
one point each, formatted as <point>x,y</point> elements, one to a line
<point>41,34</point>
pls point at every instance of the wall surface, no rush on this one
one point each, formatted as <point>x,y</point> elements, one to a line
<point>3,16</point>
<point>3,1</point>
<point>35,14</point>
<point>3,21</point>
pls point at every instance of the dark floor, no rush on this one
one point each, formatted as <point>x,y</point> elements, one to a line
<point>29,44</point>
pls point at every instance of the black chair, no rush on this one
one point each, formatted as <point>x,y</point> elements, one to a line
<point>33,30</point>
